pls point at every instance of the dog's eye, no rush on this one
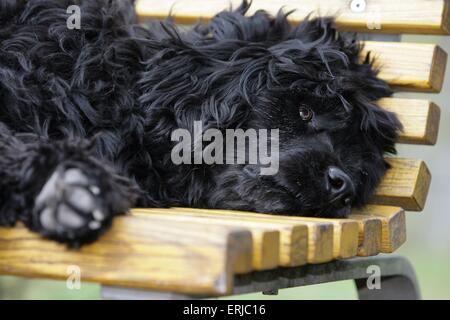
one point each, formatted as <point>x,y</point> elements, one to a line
<point>306,114</point>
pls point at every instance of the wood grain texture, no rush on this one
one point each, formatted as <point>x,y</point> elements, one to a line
<point>409,66</point>
<point>137,252</point>
<point>345,232</point>
<point>320,233</point>
<point>405,185</point>
<point>370,229</point>
<point>266,239</point>
<point>420,119</point>
<point>293,237</point>
<point>393,231</point>
<point>345,238</point>
<point>381,16</point>
<point>345,235</point>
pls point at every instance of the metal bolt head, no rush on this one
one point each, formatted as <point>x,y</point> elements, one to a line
<point>358,6</point>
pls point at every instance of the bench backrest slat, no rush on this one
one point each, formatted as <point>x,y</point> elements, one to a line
<point>409,66</point>
<point>420,119</point>
<point>380,16</point>
<point>405,185</point>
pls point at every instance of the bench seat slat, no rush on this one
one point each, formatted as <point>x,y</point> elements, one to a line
<point>345,235</point>
<point>369,231</point>
<point>138,252</point>
<point>381,16</point>
<point>373,229</point>
<point>393,233</point>
<point>345,232</point>
<point>320,233</point>
<point>369,235</point>
<point>266,238</point>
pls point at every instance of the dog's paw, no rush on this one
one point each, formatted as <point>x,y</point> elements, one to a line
<point>69,207</point>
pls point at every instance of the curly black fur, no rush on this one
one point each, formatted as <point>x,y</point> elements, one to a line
<point>105,99</point>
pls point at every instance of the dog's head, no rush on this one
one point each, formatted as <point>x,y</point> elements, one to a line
<point>310,83</point>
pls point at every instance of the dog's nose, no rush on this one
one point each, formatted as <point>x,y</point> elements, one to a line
<point>340,186</point>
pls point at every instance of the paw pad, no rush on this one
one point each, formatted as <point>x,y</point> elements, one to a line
<point>69,204</point>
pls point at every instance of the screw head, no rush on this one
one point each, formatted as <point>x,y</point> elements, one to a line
<point>358,6</point>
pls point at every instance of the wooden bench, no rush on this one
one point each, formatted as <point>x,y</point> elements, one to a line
<point>185,252</point>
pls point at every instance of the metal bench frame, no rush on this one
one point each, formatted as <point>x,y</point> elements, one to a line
<point>398,280</point>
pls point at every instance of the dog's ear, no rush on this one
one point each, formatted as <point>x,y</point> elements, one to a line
<point>380,127</point>
<point>353,81</point>
<point>361,87</point>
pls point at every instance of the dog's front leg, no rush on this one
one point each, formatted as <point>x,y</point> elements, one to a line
<point>59,188</point>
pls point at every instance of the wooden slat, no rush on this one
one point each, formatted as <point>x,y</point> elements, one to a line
<point>370,229</point>
<point>293,238</point>
<point>137,252</point>
<point>420,119</point>
<point>320,233</point>
<point>345,239</point>
<point>345,235</point>
<point>405,185</point>
<point>409,66</point>
<point>393,233</point>
<point>381,16</point>
<point>266,239</point>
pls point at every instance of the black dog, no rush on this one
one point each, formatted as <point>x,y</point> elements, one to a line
<point>86,116</point>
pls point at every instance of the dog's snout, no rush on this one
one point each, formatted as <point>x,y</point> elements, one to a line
<point>340,185</point>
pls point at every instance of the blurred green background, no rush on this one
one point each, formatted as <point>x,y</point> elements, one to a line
<point>428,245</point>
